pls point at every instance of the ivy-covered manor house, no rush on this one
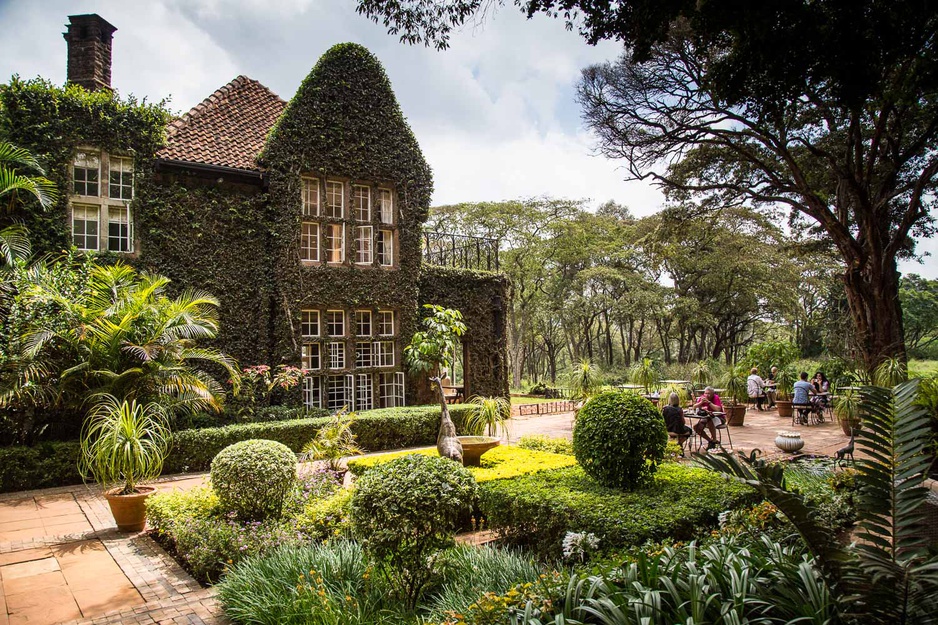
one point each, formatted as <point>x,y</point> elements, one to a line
<point>304,217</point>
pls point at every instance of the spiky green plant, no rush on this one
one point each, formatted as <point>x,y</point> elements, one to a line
<point>889,577</point>
<point>334,441</point>
<point>890,372</point>
<point>488,415</point>
<point>734,381</point>
<point>584,380</point>
<point>123,442</point>
<point>701,373</point>
<point>644,372</point>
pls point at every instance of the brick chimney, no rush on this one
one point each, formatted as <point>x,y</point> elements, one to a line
<point>89,51</point>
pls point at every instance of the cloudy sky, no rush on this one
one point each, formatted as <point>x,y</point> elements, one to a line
<point>495,114</point>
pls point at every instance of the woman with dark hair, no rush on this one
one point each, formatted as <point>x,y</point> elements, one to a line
<point>823,387</point>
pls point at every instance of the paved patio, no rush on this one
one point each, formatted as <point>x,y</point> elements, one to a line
<point>758,432</point>
<point>63,561</point>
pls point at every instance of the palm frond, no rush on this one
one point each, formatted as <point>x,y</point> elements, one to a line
<point>14,244</point>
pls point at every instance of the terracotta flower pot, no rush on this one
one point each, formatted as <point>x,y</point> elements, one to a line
<point>129,511</point>
<point>735,414</point>
<point>848,425</point>
<point>784,408</point>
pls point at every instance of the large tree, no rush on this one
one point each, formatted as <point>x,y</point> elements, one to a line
<point>826,107</point>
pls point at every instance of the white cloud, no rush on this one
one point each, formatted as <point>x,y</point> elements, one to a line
<point>495,114</point>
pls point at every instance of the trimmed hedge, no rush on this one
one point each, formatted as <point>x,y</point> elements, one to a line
<point>538,510</point>
<point>55,464</point>
<point>501,463</point>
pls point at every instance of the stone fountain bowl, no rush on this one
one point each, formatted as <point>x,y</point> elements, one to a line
<point>474,446</point>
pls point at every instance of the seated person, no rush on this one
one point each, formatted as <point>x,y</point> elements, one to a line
<point>709,402</point>
<point>823,387</point>
<point>674,419</point>
<point>803,391</point>
<point>771,387</point>
<point>755,387</point>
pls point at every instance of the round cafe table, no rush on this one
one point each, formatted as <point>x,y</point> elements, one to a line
<point>674,381</point>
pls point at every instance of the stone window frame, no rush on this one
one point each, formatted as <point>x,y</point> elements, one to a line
<point>102,202</point>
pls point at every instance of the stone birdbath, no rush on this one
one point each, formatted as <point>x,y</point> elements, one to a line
<point>474,446</point>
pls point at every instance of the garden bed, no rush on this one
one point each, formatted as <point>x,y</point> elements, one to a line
<point>537,511</point>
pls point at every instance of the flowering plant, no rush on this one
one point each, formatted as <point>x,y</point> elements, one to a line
<point>578,545</point>
<point>259,382</point>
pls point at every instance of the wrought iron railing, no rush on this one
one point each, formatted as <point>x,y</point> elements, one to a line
<point>460,251</point>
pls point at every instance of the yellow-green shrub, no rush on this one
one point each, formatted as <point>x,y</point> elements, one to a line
<point>500,463</point>
<point>327,518</point>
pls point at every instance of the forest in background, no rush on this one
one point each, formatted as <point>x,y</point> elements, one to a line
<point>683,285</point>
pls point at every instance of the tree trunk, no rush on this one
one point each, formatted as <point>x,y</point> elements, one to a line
<point>873,298</point>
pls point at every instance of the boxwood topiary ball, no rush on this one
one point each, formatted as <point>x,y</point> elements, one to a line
<point>252,478</point>
<point>619,438</point>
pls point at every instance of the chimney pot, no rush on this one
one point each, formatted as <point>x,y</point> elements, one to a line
<point>89,51</point>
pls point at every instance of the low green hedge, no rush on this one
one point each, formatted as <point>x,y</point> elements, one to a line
<point>42,466</point>
<point>538,510</point>
<point>55,464</point>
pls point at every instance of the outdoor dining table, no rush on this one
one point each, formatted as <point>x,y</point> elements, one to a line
<point>629,387</point>
<point>675,381</point>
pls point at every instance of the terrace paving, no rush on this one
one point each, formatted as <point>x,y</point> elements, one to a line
<point>62,560</point>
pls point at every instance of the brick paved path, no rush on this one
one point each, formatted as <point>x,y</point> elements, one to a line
<point>62,560</point>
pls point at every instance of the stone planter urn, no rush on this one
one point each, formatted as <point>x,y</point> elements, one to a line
<point>789,441</point>
<point>474,446</point>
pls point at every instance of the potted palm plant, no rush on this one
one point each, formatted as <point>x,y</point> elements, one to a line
<point>784,381</point>
<point>734,381</point>
<point>489,414</point>
<point>124,444</point>
<point>333,442</point>
<point>847,411</point>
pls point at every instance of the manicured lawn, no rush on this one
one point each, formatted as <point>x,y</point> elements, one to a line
<point>530,400</point>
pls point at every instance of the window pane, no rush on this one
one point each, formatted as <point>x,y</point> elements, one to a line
<point>363,355</point>
<point>85,227</point>
<point>335,322</point>
<point>339,392</point>
<point>386,206</point>
<point>310,197</point>
<point>118,230</point>
<point>363,255</point>
<point>121,178</point>
<point>384,354</point>
<point>362,323</point>
<point>386,248</point>
<point>86,170</point>
<point>386,323</point>
<point>309,241</point>
<point>335,199</point>
<point>335,243</point>
<point>311,356</point>
<point>363,392</point>
<point>309,323</point>
<point>337,355</point>
<point>312,392</point>
<point>361,202</point>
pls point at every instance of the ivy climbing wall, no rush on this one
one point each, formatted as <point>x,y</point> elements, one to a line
<point>241,242</point>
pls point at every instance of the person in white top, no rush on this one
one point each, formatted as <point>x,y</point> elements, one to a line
<point>755,386</point>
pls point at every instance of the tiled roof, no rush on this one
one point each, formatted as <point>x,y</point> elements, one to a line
<point>228,128</point>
